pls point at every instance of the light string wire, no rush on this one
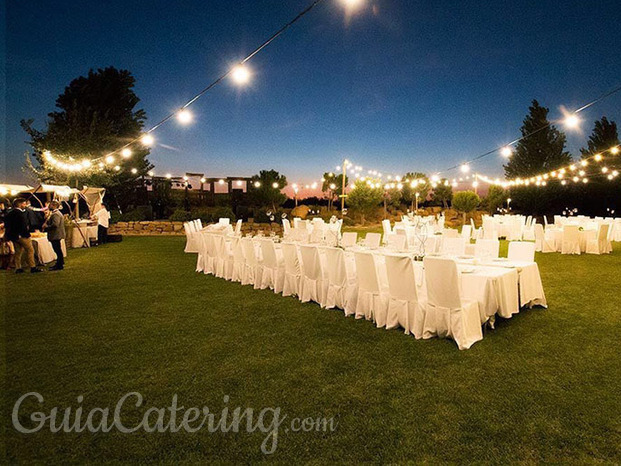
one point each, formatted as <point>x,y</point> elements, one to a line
<point>217,81</point>
<point>515,141</point>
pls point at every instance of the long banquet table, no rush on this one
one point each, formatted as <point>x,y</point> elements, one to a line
<point>501,287</point>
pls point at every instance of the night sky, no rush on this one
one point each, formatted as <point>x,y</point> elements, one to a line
<point>402,85</point>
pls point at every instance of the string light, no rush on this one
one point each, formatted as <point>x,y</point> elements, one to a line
<point>240,75</point>
<point>506,152</point>
<point>126,153</point>
<point>147,140</point>
<point>184,116</point>
<point>572,121</point>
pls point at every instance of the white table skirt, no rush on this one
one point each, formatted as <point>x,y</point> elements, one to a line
<point>80,236</point>
<point>45,252</point>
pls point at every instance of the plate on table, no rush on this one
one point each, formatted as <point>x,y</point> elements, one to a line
<point>468,270</point>
<point>500,259</point>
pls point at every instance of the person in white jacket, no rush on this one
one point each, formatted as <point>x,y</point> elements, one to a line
<point>103,222</point>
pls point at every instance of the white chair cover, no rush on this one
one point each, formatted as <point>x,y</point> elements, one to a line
<point>341,292</point>
<point>273,268</point>
<point>541,242</point>
<point>522,251</point>
<point>314,281</point>
<point>487,248</point>
<point>293,271</point>
<point>396,243</point>
<point>371,303</point>
<point>599,245</point>
<point>571,240</point>
<point>238,227</point>
<point>372,240</point>
<point>252,268</point>
<point>223,258</point>
<point>238,260</point>
<point>403,306</point>
<point>453,246</point>
<point>349,239</point>
<point>447,315</point>
<point>466,232</point>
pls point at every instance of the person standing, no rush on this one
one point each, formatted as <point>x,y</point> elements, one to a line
<point>103,222</point>
<point>55,227</point>
<point>17,230</point>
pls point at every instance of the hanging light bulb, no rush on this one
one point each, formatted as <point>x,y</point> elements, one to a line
<point>134,171</point>
<point>184,116</point>
<point>168,176</point>
<point>257,184</point>
<point>109,159</point>
<point>126,153</point>
<point>147,140</point>
<point>203,180</point>
<point>275,185</point>
<point>240,75</point>
<point>506,151</point>
<point>465,168</point>
<point>572,121</point>
<point>614,150</point>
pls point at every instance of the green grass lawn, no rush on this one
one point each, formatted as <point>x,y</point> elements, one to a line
<point>134,316</point>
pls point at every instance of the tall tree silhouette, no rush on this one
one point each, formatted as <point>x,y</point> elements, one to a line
<point>96,115</point>
<point>542,150</point>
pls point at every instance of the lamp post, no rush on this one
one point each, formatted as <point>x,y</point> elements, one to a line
<point>345,162</point>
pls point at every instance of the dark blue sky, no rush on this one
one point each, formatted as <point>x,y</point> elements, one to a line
<point>403,85</point>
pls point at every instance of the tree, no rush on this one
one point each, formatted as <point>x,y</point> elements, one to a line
<point>333,187</point>
<point>364,198</point>
<point>542,150</point>
<point>415,182</point>
<point>96,115</point>
<point>265,189</point>
<point>443,192</point>
<point>602,139</point>
<point>496,197</point>
<point>465,202</point>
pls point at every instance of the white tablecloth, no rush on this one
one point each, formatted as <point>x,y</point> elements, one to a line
<point>45,252</point>
<point>80,236</point>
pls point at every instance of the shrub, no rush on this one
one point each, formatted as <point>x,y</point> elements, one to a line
<point>180,215</point>
<point>465,202</point>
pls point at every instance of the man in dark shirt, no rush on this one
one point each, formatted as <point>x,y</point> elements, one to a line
<point>17,230</point>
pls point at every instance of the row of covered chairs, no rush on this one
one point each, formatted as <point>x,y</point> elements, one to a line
<point>323,274</point>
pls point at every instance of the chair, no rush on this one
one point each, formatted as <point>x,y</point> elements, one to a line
<point>396,242</point>
<point>223,258</point>
<point>453,246</point>
<point>286,228</point>
<point>487,248</point>
<point>371,303</point>
<point>599,245</point>
<point>273,269</point>
<point>209,253</point>
<point>446,313</point>
<point>191,235</point>
<point>238,227</point>
<point>224,221</point>
<point>403,306</point>
<point>238,260</point>
<point>293,271</point>
<point>318,233</point>
<point>466,232</point>
<point>522,251</point>
<point>251,274</point>
<point>372,240</point>
<point>541,242</point>
<point>349,239</point>
<point>314,282</point>
<point>388,232</point>
<point>341,287</point>
<point>570,244</point>
<point>450,233</point>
